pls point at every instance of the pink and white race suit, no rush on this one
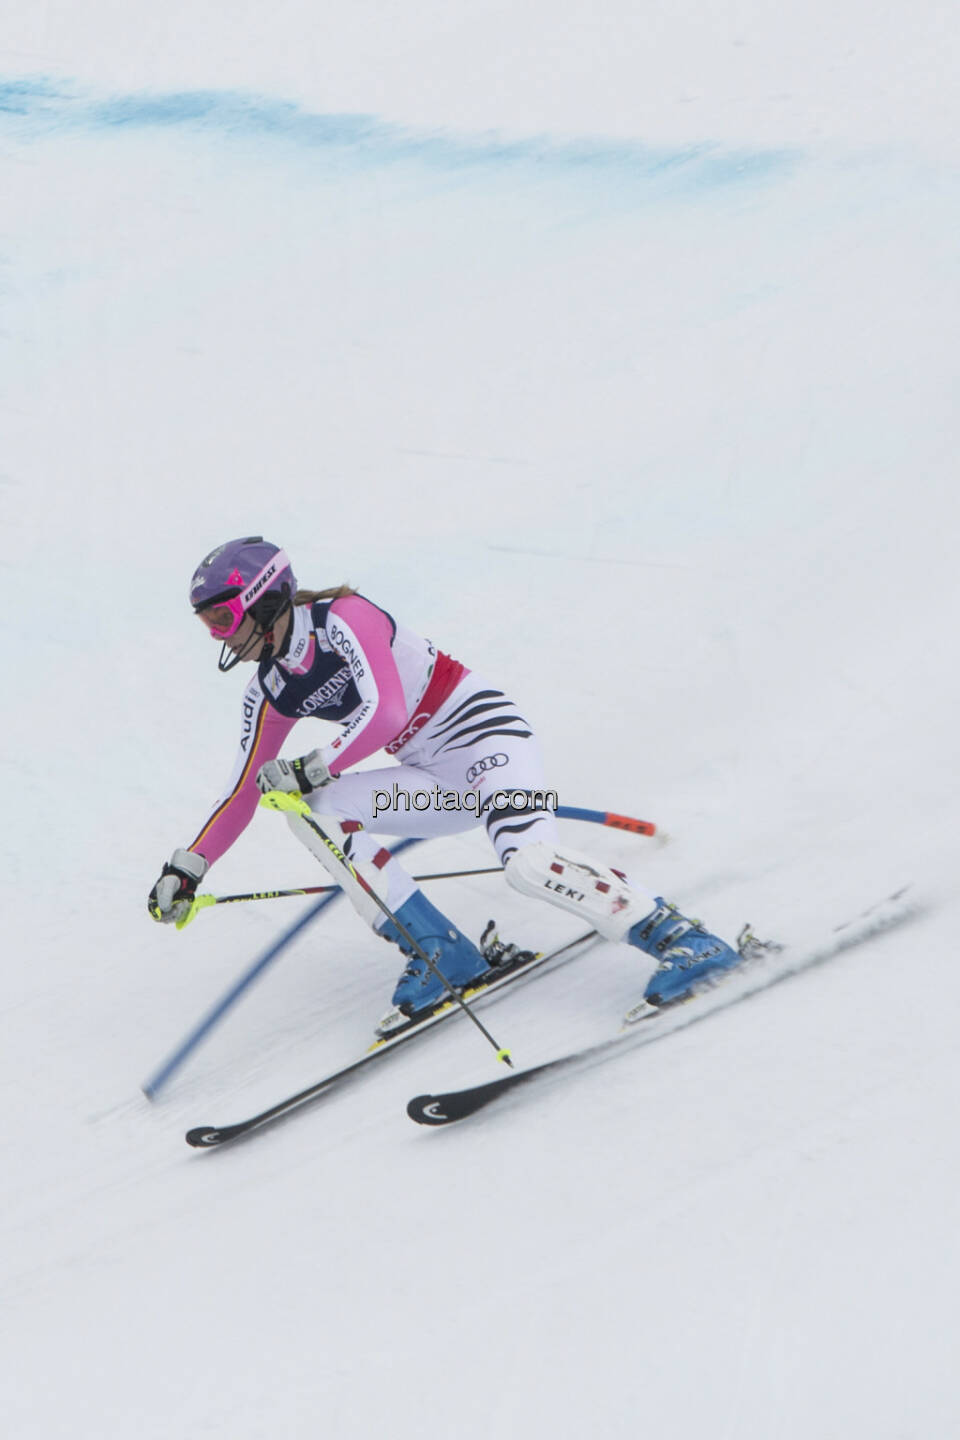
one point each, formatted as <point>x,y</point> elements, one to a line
<point>453,737</point>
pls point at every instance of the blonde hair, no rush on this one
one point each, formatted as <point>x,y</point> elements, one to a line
<point>334,592</point>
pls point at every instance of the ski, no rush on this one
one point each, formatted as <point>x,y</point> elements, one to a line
<point>207,1137</point>
<point>763,967</point>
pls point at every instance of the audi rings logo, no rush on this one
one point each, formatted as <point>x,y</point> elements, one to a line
<point>489,762</point>
<point>405,736</point>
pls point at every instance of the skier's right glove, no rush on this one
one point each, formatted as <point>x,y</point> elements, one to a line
<point>308,773</point>
<point>171,897</point>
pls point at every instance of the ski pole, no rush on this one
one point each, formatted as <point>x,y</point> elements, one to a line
<point>203,902</point>
<point>607,817</point>
<point>295,804</point>
<point>563,812</point>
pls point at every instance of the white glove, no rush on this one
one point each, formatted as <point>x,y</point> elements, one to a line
<point>303,775</point>
<point>172,896</point>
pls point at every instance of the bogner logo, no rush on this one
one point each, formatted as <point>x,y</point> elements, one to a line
<point>489,762</point>
<point>343,642</point>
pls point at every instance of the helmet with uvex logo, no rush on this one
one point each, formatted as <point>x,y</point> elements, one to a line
<point>249,576</point>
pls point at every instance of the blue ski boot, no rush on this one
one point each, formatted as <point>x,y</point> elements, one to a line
<point>686,954</point>
<point>455,956</point>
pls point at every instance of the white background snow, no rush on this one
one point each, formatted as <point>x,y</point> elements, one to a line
<point>615,349</point>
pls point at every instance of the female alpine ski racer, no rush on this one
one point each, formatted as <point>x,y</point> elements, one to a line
<point>454,738</point>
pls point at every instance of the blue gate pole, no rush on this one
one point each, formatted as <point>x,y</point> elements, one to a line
<point>152,1086</point>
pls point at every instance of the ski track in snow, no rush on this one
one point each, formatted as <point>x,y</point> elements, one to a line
<point>657,426</point>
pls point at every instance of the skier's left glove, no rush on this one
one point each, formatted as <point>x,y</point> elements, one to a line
<point>308,773</point>
<point>171,897</point>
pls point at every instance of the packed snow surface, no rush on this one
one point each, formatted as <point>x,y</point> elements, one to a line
<point>616,352</point>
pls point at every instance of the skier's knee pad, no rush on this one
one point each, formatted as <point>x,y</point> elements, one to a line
<point>578,884</point>
<point>365,906</point>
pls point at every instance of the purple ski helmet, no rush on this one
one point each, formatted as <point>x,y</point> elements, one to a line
<point>243,576</point>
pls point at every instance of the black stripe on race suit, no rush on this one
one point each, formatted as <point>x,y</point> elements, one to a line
<point>513,812</point>
<point>511,829</point>
<point>476,733</point>
<point>477,710</point>
<point>499,815</point>
<point>496,712</point>
<point>472,700</point>
<point>496,834</point>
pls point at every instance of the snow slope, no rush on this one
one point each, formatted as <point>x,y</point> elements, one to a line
<point>619,358</point>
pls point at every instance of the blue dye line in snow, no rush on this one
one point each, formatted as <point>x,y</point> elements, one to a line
<point>42,107</point>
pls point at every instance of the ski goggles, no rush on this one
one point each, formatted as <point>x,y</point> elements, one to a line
<point>224,617</point>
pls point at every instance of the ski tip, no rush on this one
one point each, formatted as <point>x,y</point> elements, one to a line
<point>445,1109</point>
<point>427,1110</point>
<point>204,1137</point>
